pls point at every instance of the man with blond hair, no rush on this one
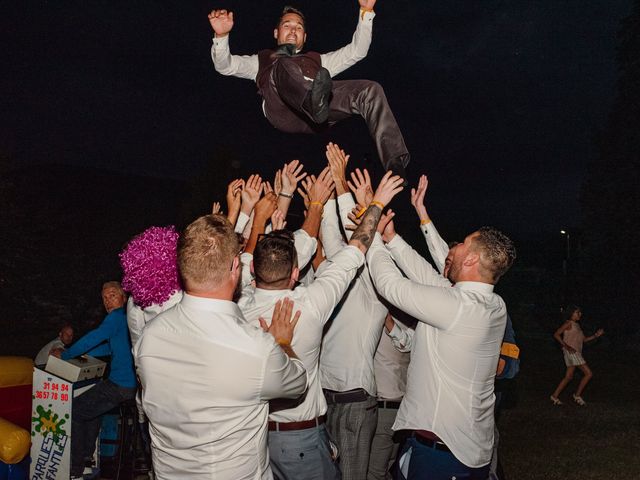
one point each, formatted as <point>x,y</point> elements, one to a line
<point>207,375</point>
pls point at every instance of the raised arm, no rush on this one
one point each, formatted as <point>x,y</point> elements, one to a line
<point>242,66</point>
<point>436,306</point>
<point>318,194</point>
<point>438,248</point>
<point>341,59</point>
<point>234,199</point>
<point>286,183</point>
<point>263,211</point>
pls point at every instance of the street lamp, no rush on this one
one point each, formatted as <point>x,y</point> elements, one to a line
<point>565,264</point>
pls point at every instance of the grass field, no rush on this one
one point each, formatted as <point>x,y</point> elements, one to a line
<point>598,441</point>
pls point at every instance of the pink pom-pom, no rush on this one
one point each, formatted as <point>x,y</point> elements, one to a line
<point>150,266</point>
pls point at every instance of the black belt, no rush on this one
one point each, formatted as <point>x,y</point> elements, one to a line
<point>430,442</point>
<point>388,404</point>
<point>350,396</point>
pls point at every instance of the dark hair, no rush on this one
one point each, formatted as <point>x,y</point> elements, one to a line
<point>290,9</point>
<point>275,257</point>
<point>568,310</point>
<point>497,251</point>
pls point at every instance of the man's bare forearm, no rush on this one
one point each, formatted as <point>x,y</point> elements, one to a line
<point>363,236</point>
<point>311,224</point>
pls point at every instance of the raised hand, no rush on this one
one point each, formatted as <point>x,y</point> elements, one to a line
<point>267,188</point>
<point>338,164</point>
<point>361,187</point>
<point>251,193</point>
<point>265,208</point>
<point>215,208</point>
<point>292,173</point>
<point>277,182</point>
<point>321,189</point>
<point>277,220</point>
<point>304,189</point>
<point>221,21</point>
<point>389,186</point>
<point>386,227</point>
<point>417,198</point>
<point>367,4</point>
<point>283,323</point>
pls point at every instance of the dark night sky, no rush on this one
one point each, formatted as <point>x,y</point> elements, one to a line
<point>498,100</point>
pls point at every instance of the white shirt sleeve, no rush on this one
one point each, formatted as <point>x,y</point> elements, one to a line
<point>346,203</point>
<point>245,264</point>
<point>414,265</point>
<point>339,60</point>
<point>434,305</point>
<point>284,377</point>
<point>438,248</point>
<point>332,280</point>
<point>241,222</point>
<point>306,247</point>
<point>242,66</point>
<point>401,338</point>
<point>332,241</point>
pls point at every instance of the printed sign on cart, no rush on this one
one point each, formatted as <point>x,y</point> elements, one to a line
<point>50,426</point>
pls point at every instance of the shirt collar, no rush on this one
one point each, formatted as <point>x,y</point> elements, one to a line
<point>210,304</point>
<point>476,286</point>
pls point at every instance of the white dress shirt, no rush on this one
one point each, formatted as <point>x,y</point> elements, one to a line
<point>207,376</point>
<point>438,248</point>
<point>43,355</point>
<point>455,350</point>
<point>138,317</point>
<point>316,302</point>
<point>246,66</point>
<point>390,367</point>
<point>349,345</point>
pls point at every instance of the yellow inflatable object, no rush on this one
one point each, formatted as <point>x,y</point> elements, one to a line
<point>14,442</point>
<point>15,371</point>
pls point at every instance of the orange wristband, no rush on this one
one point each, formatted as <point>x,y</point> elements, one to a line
<point>317,203</point>
<point>361,212</point>
<point>377,204</point>
<point>363,11</point>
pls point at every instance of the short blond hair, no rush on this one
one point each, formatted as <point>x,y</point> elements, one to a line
<point>206,251</point>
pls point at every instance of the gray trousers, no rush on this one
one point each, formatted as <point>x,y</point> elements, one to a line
<point>352,426</point>
<point>365,98</point>
<point>302,454</point>
<point>383,448</point>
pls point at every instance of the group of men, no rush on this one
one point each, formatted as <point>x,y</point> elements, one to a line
<point>264,353</point>
<point>265,367</point>
<point>274,355</point>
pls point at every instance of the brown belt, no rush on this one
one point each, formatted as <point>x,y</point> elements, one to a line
<point>288,426</point>
<point>430,440</point>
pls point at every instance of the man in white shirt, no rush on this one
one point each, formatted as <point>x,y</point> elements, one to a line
<point>207,375</point>
<point>299,95</point>
<point>390,366</point>
<point>298,441</point>
<point>64,338</point>
<point>449,400</point>
<point>349,346</point>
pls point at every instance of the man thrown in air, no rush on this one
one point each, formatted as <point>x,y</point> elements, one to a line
<point>299,95</point>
